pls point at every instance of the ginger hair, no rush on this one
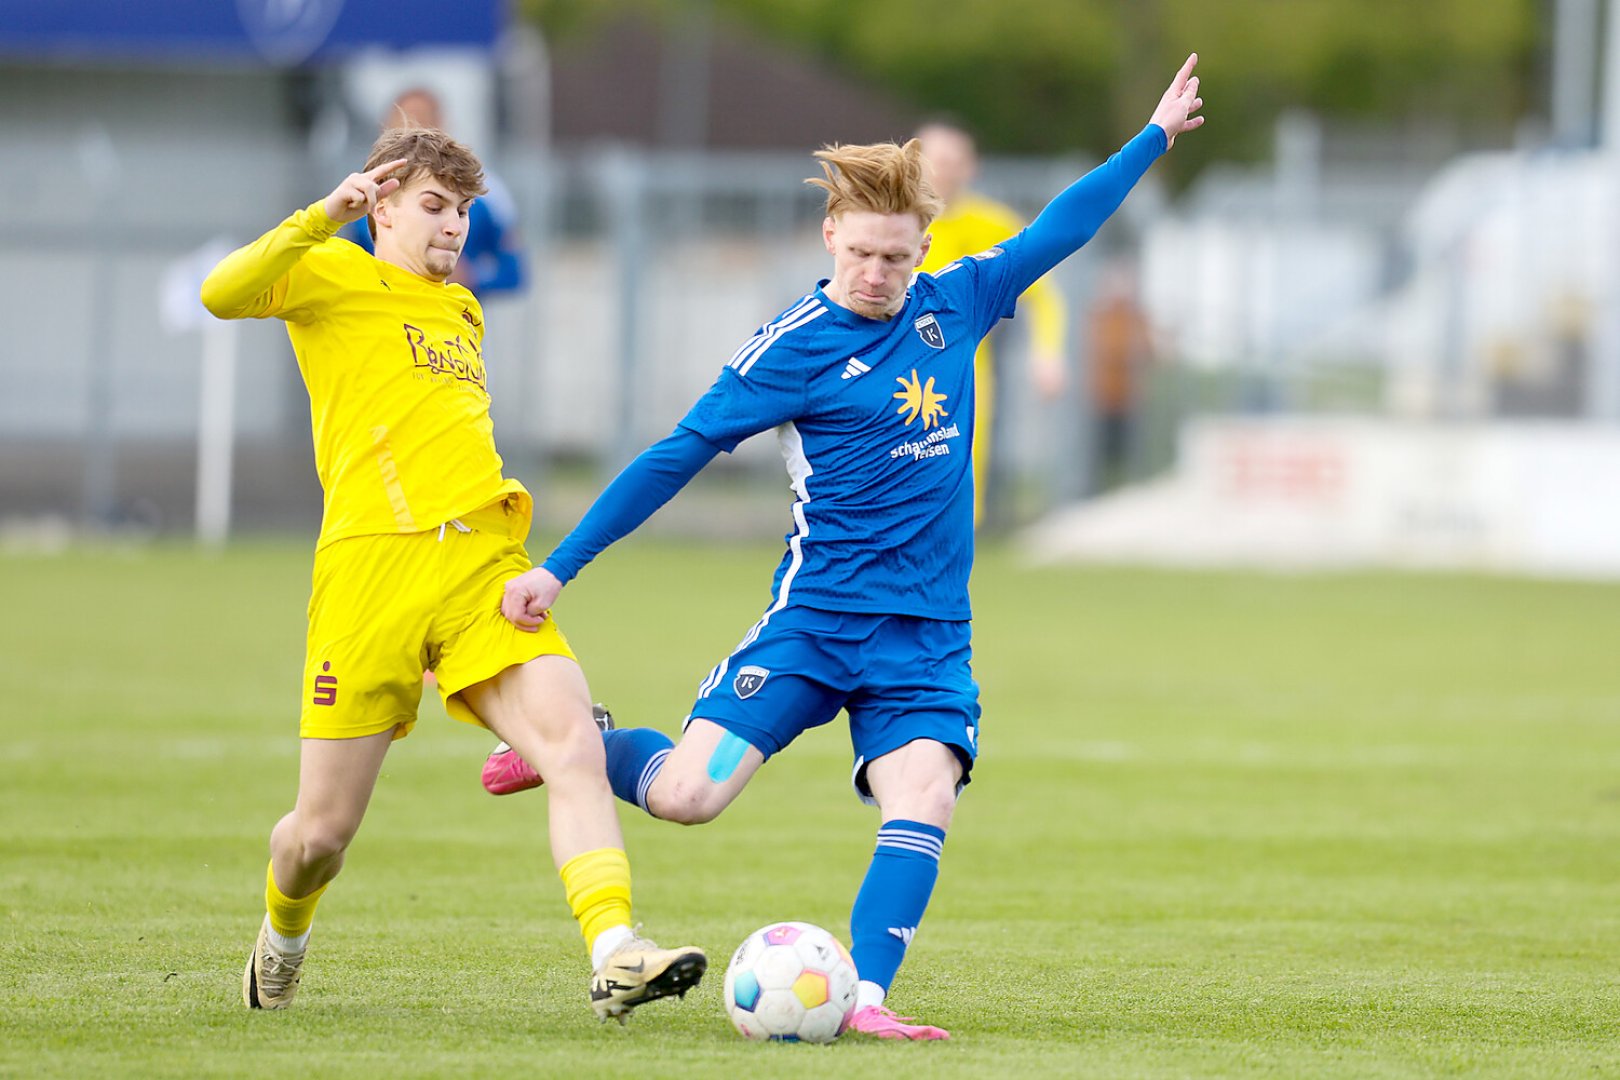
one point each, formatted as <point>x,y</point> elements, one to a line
<point>884,178</point>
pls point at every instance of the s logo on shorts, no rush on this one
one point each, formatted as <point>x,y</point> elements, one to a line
<point>749,680</point>
<point>325,687</point>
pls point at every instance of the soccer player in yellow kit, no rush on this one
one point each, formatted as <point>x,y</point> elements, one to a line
<point>419,535</point>
<point>970,224</point>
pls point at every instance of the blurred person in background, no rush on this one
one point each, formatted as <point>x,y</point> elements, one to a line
<point>972,223</point>
<point>868,381</point>
<point>419,534</point>
<point>492,263</point>
<point>1119,353</point>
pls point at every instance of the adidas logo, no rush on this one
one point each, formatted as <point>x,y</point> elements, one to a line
<point>854,368</point>
<point>904,933</point>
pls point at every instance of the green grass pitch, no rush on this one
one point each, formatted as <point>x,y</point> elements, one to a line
<point>1223,825</point>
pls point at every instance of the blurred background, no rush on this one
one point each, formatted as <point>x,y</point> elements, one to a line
<point>1370,315</point>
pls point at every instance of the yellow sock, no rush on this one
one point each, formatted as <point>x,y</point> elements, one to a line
<point>289,917</point>
<point>598,887</point>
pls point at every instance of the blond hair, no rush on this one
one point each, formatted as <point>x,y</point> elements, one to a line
<point>885,178</point>
<point>430,151</point>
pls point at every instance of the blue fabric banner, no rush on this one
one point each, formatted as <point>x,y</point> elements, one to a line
<point>271,32</point>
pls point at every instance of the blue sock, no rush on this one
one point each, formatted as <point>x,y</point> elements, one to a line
<point>634,756</point>
<point>893,897</point>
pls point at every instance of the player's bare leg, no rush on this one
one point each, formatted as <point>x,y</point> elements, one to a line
<point>917,781</point>
<point>543,710</point>
<point>335,780</point>
<point>506,773</point>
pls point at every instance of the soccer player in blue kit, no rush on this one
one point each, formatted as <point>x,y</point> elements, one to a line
<point>868,381</point>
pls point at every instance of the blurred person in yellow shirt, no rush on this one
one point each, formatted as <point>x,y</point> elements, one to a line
<point>972,223</point>
<point>419,535</point>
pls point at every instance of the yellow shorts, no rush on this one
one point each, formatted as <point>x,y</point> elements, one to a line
<point>384,609</point>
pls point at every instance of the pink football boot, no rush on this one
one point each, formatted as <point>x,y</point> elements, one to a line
<point>506,772</point>
<point>880,1022</point>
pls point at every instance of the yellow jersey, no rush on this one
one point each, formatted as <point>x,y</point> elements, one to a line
<point>973,223</point>
<point>394,366</point>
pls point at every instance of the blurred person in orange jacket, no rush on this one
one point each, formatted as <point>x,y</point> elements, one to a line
<point>1119,350</point>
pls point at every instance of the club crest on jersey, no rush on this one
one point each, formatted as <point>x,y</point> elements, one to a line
<point>749,680</point>
<point>928,329</point>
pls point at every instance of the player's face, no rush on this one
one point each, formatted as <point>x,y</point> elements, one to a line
<point>422,227</point>
<point>874,256</point>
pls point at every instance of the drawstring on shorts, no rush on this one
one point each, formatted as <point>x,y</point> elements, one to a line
<point>459,527</point>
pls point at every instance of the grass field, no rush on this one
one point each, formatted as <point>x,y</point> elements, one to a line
<point>1223,825</point>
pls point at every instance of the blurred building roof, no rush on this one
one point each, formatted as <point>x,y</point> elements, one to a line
<point>720,89</point>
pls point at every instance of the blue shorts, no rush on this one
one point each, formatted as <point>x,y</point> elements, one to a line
<point>899,677</point>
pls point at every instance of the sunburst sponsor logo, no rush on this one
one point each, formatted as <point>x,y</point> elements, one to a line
<point>917,398</point>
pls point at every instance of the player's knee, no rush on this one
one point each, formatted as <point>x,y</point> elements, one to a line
<point>568,755</point>
<point>685,802</point>
<point>931,799</point>
<point>577,760</point>
<point>322,841</point>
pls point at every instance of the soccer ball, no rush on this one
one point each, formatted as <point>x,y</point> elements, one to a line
<point>791,982</point>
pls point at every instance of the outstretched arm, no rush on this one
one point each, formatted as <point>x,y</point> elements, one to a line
<point>1080,209</point>
<point>249,283</point>
<point>647,483</point>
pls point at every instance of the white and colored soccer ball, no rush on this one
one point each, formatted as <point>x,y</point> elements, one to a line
<point>791,982</point>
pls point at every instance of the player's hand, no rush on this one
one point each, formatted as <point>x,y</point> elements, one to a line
<point>359,193</point>
<point>529,597</point>
<point>1180,101</point>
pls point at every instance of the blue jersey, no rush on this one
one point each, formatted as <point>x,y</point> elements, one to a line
<point>875,418</point>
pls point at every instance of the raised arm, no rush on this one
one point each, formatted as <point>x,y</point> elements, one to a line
<point>250,282</point>
<point>1079,210</point>
<point>646,484</point>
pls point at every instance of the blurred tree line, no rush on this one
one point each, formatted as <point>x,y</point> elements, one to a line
<point>1049,76</point>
